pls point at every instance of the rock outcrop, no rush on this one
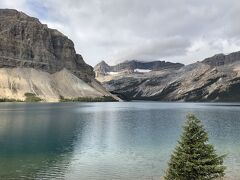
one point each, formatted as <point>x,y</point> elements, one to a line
<point>37,59</point>
<point>222,59</point>
<point>214,79</point>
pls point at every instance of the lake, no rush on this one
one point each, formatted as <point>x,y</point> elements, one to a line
<point>125,140</point>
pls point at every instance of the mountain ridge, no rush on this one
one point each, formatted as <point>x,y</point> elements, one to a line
<point>216,78</point>
<point>131,65</point>
<point>222,59</point>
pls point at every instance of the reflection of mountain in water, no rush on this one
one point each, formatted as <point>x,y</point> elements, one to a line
<point>36,147</point>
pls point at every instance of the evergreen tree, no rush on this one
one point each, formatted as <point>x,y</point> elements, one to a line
<point>194,158</point>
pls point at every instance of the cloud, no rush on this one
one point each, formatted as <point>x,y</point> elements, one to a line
<point>116,30</point>
<point>15,4</point>
<point>153,49</point>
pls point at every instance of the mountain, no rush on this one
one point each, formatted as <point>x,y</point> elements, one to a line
<point>130,66</point>
<point>39,60</point>
<point>214,79</point>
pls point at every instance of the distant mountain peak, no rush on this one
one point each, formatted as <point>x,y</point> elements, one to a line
<point>102,67</point>
<point>103,62</point>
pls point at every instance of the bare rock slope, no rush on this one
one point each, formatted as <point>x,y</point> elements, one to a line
<point>40,60</point>
<point>15,82</point>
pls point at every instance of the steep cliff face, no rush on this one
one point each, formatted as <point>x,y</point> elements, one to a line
<point>39,60</point>
<point>25,42</point>
<point>214,79</point>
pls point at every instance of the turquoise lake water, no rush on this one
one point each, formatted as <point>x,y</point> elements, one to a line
<point>88,141</point>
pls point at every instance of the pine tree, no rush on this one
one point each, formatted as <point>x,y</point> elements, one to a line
<point>194,158</point>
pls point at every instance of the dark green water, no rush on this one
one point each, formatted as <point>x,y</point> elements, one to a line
<point>130,140</point>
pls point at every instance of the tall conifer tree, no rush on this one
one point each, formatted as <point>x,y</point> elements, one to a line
<point>194,158</point>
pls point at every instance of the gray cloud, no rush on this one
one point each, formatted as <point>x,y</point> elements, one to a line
<point>154,49</point>
<point>117,30</point>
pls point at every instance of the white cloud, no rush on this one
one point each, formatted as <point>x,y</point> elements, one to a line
<point>175,30</point>
<point>19,4</point>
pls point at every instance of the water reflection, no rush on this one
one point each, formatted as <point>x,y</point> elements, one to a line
<point>35,138</point>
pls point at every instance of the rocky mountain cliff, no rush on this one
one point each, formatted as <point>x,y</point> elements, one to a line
<point>214,79</point>
<point>27,43</point>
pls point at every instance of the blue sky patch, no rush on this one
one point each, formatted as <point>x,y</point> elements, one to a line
<point>38,8</point>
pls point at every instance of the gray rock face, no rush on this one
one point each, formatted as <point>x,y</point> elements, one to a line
<point>214,79</point>
<point>25,42</point>
<point>221,59</point>
<point>104,68</point>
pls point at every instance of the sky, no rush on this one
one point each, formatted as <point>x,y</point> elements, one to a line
<point>183,31</point>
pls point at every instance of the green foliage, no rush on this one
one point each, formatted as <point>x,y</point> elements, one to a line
<point>30,97</point>
<point>88,99</point>
<point>194,158</point>
<point>9,100</point>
